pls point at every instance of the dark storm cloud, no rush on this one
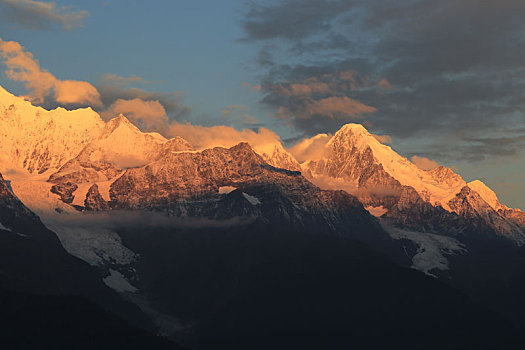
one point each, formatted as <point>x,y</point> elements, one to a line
<point>38,15</point>
<point>453,70</point>
<point>293,19</point>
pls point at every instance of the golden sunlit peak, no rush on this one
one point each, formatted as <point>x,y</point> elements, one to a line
<point>354,128</point>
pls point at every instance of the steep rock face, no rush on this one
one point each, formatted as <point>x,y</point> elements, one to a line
<point>65,191</point>
<point>516,216</point>
<point>38,140</point>
<point>412,212</point>
<point>356,171</point>
<point>94,201</point>
<point>482,217</point>
<point>187,184</point>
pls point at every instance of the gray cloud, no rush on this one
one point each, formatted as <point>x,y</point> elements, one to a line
<point>38,15</point>
<point>455,69</point>
<point>172,102</point>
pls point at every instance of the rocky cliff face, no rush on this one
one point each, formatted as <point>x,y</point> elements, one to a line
<point>516,216</point>
<point>482,218</point>
<point>94,201</point>
<point>413,213</point>
<point>189,185</point>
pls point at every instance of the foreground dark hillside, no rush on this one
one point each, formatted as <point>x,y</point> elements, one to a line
<point>250,289</point>
<point>32,321</point>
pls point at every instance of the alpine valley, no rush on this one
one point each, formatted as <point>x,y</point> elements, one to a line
<point>150,243</point>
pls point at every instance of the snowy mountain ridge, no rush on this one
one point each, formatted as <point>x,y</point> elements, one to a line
<point>71,161</point>
<point>38,140</point>
<point>354,160</point>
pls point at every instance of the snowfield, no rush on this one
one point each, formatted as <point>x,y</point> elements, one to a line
<point>432,249</point>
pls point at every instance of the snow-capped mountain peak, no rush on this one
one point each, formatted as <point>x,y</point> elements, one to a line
<point>353,153</point>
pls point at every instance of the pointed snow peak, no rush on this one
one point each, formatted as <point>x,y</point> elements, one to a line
<point>486,193</point>
<point>354,131</point>
<point>353,135</point>
<point>117,122</point>
<point>275,155</point>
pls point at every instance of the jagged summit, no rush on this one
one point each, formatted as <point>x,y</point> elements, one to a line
<point>275,154</point>
<point>353,135</point>
<point>471,205</point>
<point>356,156</point>
<point>119,121</point>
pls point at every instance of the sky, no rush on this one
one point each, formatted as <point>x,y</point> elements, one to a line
<point>442,80</point>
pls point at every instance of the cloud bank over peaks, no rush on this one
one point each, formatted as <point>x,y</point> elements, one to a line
<point>201,137</point>
<point>319,103</point>
<point>113,95</point>
<point>41,84</point>
<point>146,115</point>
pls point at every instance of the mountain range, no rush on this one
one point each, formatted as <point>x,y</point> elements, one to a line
<point>195,243</point>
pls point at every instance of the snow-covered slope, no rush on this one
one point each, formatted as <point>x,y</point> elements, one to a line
<point>486,193</point>
<point>38,140</point>
<point>275,154</point>
<point>121,145</point>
